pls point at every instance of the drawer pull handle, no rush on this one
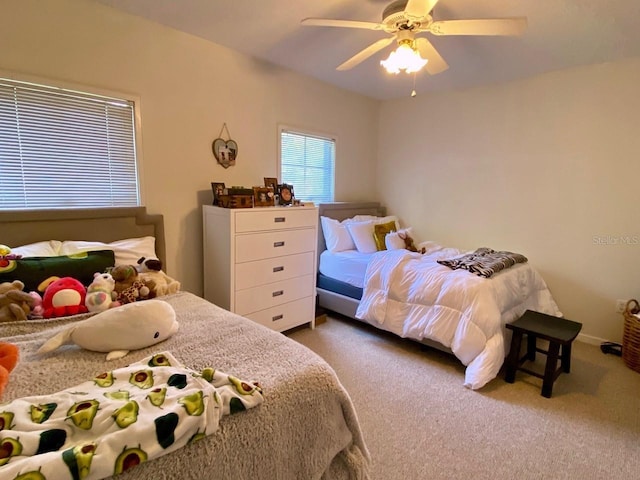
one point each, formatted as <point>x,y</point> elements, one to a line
<point>277,293</point>
<point>280,219</point>
<point>278,269</point>
<point>277,317</point>
<point>278,244</point>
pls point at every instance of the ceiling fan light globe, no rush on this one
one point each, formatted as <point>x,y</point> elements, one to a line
<point>404,58</point>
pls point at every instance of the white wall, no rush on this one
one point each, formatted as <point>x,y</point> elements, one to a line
<point>548,167</point>
<point>188,88</point>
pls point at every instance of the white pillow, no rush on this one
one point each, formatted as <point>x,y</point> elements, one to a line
<point>336,235</point>
<point>362,235</point>
<point>127,252</point>
<point>393,241</point>
<point>362,231</point>
<point>376,220</point>
<point>50,248</point>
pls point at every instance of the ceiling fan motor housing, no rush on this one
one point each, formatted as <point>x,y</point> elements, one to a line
<point>394,18</point>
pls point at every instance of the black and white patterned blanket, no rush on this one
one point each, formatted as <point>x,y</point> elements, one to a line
<point>484,262</point>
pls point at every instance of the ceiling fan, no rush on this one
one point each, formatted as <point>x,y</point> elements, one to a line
<point>404,20</point>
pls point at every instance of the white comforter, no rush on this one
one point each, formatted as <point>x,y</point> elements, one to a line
<point>413,296</point>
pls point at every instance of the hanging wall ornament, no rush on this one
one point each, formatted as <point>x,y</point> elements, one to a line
<point>225,151</point>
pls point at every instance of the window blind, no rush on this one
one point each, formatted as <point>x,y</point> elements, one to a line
<point>65,149</point>
<point>308,163</point>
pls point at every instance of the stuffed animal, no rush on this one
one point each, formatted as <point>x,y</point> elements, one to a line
<point>15,304</point>
<point>64,296</point>
<point>37,311</point>
<point>6,255</point>
<point>120,330</point>
<point>409,243</point>
<point>9,355</point>
<point>151,269</point>
<point>128,287</point>
<point>99,292</point>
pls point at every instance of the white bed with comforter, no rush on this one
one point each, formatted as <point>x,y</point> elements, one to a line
<point>412,295</point>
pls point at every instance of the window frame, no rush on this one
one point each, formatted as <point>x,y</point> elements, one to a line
<point>283,128</point>
<point>80,88</point>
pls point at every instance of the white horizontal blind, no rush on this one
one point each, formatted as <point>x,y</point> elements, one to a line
<point>65,149</point>
<point>308,162</point>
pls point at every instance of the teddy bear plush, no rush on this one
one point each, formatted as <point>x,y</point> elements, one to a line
<point>128,287</point>
<point>99,293</point>
<point>151,269</point>
<point>410,244</point>
<point>15,304</point>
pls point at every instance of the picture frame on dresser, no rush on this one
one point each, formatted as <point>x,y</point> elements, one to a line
<point>271,182</point>
<point>285,194</point>
<point>218,189</point>
<point>263,197</point>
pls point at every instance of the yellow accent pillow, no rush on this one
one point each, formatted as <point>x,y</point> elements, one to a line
<point>380,231</point>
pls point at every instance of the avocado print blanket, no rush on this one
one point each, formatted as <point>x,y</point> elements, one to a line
<point>117,420</point>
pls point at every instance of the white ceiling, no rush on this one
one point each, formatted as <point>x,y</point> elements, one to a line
<point>561,34</point>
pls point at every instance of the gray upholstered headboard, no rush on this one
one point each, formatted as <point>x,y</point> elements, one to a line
<point>343,210</point>
<point>21,227</point>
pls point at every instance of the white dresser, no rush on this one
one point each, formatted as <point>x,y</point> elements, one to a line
<point>261,263</point>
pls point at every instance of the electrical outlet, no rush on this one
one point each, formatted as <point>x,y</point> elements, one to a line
<point>620,305</point>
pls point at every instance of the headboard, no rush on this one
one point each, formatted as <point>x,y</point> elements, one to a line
<point>343,210</point>
<point>21,227</point>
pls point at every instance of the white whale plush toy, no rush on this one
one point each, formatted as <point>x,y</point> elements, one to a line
<point>120,330</point>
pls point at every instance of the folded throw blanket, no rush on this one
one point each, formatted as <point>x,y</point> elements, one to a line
<point>484,262</point>
<point>117,420</point>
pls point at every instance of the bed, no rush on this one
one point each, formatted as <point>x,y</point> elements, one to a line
<point>414,296</point>
<point>305,427</point>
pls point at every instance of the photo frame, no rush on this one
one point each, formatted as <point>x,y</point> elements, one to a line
<point>225,152</point>
<point>285,194</point>
<point>263,197</point>
<point>218,189</point>
<point>271,182</point>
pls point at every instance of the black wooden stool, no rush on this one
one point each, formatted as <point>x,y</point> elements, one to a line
<point>558,331</point>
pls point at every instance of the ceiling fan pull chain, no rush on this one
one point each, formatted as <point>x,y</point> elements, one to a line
<point>413,92</point>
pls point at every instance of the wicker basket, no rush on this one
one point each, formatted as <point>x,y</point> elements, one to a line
<point>631,336</point>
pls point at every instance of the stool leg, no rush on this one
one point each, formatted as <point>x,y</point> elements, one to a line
<point>550,369</point>
<point>531,347</point>
<point>513,359</point>
<point>566,358</point>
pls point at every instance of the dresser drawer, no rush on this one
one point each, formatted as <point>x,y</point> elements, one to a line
<point>275,219</point>
<point>254,299</point>
<point>274,244</point>
<point>287,315</point>
<point>260,272</point>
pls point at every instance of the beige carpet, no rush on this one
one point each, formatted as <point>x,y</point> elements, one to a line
<point>419,421</point>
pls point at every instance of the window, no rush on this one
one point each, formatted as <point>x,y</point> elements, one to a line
<point>307,161</point>
<point>61,148</point>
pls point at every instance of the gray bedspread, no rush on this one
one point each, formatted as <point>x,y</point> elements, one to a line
<point>306,428</point>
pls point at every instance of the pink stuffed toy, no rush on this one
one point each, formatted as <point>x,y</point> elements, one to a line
<point>37,311</point>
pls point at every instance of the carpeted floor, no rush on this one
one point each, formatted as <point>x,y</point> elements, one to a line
<point>419,421</point>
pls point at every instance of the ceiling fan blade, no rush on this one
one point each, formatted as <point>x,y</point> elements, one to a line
<point>326,22</point>
<point>418,9</point>
<point>489,26</point>
<point>436,63</point>
<point>366,53</point>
